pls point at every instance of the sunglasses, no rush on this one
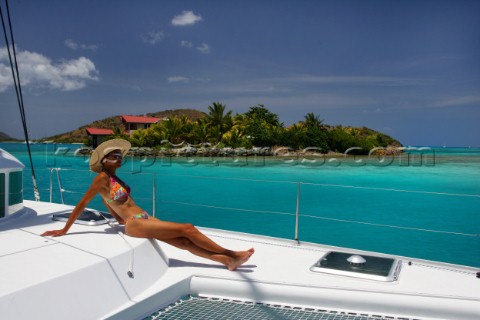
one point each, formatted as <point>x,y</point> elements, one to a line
<point>117,156</point>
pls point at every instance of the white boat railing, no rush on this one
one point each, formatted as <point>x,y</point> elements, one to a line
<point>301,211</point>
<point>297,213</point>
<point>63,190</point>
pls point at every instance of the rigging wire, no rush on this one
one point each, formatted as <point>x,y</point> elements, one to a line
<point>18,89</point>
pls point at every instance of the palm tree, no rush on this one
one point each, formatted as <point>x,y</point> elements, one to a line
<point>173,129</point>
<point>118,133</point>
<point>294,136</point>
<point>315,133</point>
<point>139,138</point>
<point>311,120</point>
<point>218,120</point>
<point>234,138</point>
<point>200,133</point>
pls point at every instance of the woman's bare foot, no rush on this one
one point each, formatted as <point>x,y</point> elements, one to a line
<point>240,258</point>
<point>240,254</point>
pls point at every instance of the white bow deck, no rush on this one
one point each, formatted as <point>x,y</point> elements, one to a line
<point>83,275</point>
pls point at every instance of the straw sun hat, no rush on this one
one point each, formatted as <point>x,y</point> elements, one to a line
<point>105,148</point>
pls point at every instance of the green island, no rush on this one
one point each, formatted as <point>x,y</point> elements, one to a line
<point>256,128</point>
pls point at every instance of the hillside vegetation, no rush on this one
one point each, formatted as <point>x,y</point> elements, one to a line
<point>256,128</point>
<point>6,137</point>
<point>115,123</point>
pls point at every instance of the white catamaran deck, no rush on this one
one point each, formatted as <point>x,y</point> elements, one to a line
<point>84,275</point>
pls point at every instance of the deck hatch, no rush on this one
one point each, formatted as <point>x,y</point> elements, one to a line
<point>89,217</point>
<point>359,266</point>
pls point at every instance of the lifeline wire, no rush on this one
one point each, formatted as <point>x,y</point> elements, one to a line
<point>323,218</point>
<point>132,254</point>
<point>18,90</point>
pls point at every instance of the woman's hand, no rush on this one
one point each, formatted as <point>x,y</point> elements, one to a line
<point>100,181</point>
<point>54,233</point>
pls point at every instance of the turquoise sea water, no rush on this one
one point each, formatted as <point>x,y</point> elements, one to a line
<point>424,204</point>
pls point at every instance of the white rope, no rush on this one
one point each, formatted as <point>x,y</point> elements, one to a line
<point>394,190</point>
<point>313,216</point>
<point>77,192</point>
<point>224,178</point>
<point>132,251</point>
<point>120,233</point>
<point>392,226</point>
<point>312,184</point>
<point>326,185</point>
<point>227,208</point>
<point>324,218</point>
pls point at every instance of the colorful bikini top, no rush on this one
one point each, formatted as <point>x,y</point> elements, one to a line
<point>117,191</point>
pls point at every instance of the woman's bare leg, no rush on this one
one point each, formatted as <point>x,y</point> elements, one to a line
<point>230,262</point>
<point>186,236</point>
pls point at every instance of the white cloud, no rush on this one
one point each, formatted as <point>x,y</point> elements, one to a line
<point>186,44</point>
<point>457,101</point>
<point>175,79</point>
<point>178,79</point>
<point>153,37</point>
<point>186,18</point>
<point>75,46</point>
<point>36,70</point>
<point>349,80</point>
<point>204,48</point>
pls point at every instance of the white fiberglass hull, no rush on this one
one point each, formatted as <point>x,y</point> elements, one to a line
<point>84,275</point>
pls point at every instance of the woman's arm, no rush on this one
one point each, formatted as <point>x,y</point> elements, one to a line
<point>81,205</point>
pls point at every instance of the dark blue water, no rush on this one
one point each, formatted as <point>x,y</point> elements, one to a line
<point>425,206</point>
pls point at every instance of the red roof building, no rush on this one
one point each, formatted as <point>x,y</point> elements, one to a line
<point>133,123</point>
<point>99,132</point>
<point>98,135</point>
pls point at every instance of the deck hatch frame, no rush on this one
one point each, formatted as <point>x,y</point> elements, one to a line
<point>375,267</point>
<point>90,217</point>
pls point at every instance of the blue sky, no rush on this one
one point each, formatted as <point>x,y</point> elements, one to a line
<point>410,69</point>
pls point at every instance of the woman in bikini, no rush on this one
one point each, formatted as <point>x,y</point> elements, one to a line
<point>105,160</point>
